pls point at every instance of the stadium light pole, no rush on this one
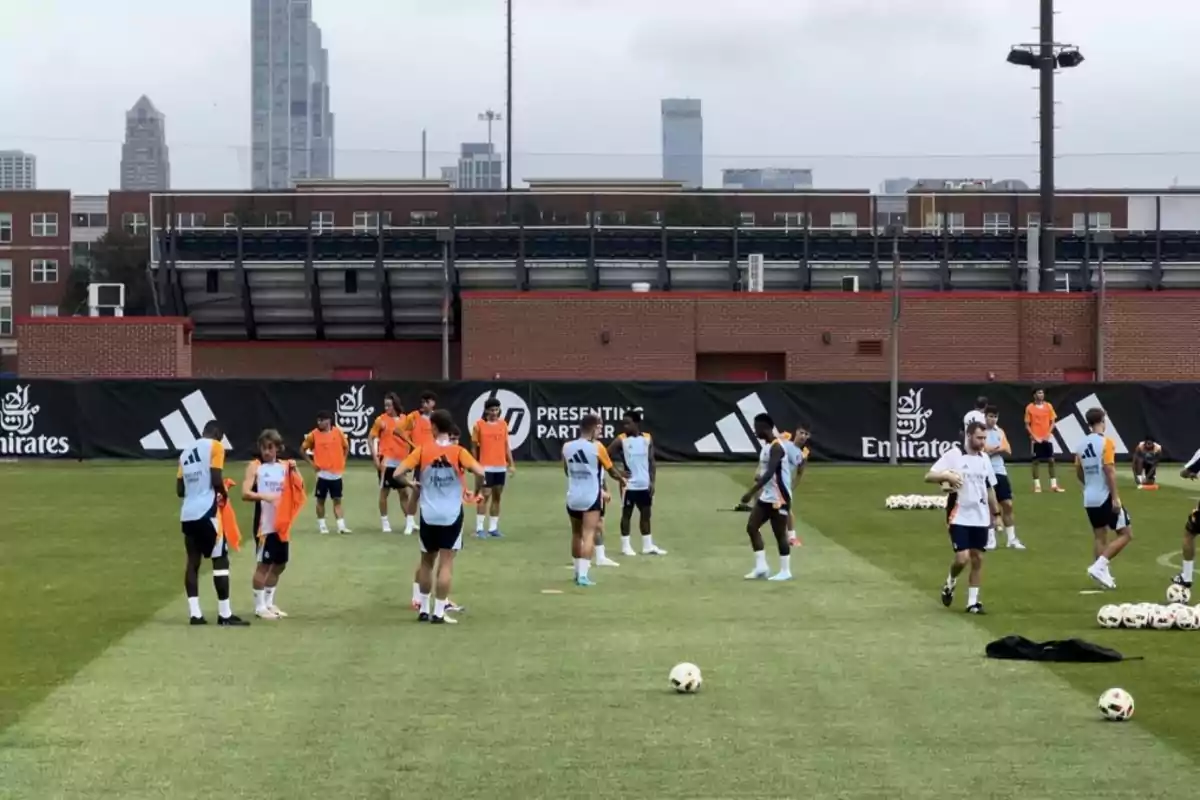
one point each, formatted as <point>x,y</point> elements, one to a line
<point>1046,57</point>
<point>894,395</point>
<point>508,99</point>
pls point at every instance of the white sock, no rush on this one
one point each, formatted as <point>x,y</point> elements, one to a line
<point>410,522</point>
<point>493,524</point>
<point>785,564</point>
<point>647,542</point>
<point>600,555</point>
<point>423,599</point>
<point>321,526</point>
<point>1188,566</point>
<point>791,534</point>
<point>194,607</point>
<point>260,599</point>
<point>223,609</point>
<point>417,592</point>
<point>341,524</point>
<point>581,567</point>
<point>479,520</point>
<point>951,581</point>
<point>1102,562</point>
<point>1037,482</point>
<point>625,545</point>
<point>439,607</point>
<point>760,560</point>
<point>1011,533</point>
<point>269,596</point>
<point>385,521</point>
<point>1054,481</point>
<point>972,595</point>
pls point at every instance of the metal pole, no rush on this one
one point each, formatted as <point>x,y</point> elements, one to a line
<point>508,102</point>
<point>1046,66</point>
<point>445,310</point>
<point>893,434</point>
<point>1100,319</point>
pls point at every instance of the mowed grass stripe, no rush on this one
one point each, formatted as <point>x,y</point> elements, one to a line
<point>846,683</point>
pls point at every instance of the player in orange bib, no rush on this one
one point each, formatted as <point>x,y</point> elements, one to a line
<point>389,448</point>
<point>439,466</point>
<point>489,440</point>
<point>326,448</point>
<point>417,428</point>
<point>1039,422</point>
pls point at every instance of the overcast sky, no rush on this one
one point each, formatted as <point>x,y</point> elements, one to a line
<point>858,90</point>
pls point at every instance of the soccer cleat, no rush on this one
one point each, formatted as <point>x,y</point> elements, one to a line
<point>583,581</point>
<point>277,612</point>
<point>423,617</point>
<point>323,530</point>
<point>1102,577</point>
<point>780,576</point>
<point>947,595</point>
<point>265,613</point>
<point>1058,489</point>
<point>481,534</point>
<point>496,534</point>
<point>197,621</point>
<point>1015,544</point>
<point>1037,488</point>
<point>606,562</point>
<point>232,621</point>
<point>386,526</point>
<point>653,550</point>
<point>976,609</point>
<point>758,575</point>
<point>454,607</point>
<point>443,620</point>
<point>629,553</point>
<point>1179,581</point>
<point>344,530</point>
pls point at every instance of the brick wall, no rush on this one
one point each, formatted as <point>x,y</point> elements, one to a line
<point>1152,337</point>
<point>104,347</point>
<point>387,360</point>
<point>823,337</point>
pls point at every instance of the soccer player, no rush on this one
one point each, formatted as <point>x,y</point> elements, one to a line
<point>969,511</point>
<point>439,465</point>
<point>584,460</point>
<point>263,485</point>
<point>773,485</point>
<point>1191,528</point>
<point>976,414</point>
<point>797,450</point>
<point>389,449</point>
<point>326,448</point>
<point>635,449</point>
<point>997,449</point>
<point>200,484</point>
<point>1095,467</point>
<point>1039,422</point>
<point>418,430</point>
<point>489,439</point>
<point>1145,462</point>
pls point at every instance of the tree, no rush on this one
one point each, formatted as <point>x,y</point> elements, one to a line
<point>116,257</point>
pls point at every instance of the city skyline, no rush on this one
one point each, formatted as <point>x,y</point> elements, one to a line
<point>18,170</point>
<point>145,157</point>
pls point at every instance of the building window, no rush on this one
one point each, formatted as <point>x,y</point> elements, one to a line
<point>790,219</point>
<point>81,255</point>
<point>189,220</point>
<point>229,220</point>
<point>1096,221</point>
<point>370,220</point>
<point>43,270</point>
<point>134,223</point>
<point>746,219</point>
<point>1033,219</point>
<point>79,220</point>
<point>996,222</point>
<point>44,225</point>
<point>843,219</point>
<point>282,218</point>
<point>322,221</point>
<point>6,229</point>
<point>43,311</point>
<point>955,222</point>
<point>6,321</point>
<point>5,274</point>
<point>423,217</point>
<point>98,220</point>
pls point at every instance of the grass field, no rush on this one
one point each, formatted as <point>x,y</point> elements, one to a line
<point>851,681</point>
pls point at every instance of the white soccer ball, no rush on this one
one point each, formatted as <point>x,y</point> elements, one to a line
<point>1116,705</point>
<point>924,503</point>
<point>1186,619</point>
<point>1109,616</point>
<point>1163,619</point>
<point>1135,617</point>
<point>685,678</point>
<point>890,502</point>
<point>1178,594</point>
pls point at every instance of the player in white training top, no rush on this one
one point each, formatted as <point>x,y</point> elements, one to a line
<point>976,414</point>
<point>997,450</point>
<point>773,484</point>
<point>1191,528</point>
<point>635,449</point>
<point>969,512</point>
<point>1095,467</point>
<point>584,461</point>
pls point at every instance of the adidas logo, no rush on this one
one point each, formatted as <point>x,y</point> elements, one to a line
<point>176,426</point>
<point>734,430</point>
<point>1071,431</point>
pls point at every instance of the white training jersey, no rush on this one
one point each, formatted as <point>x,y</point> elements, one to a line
<point>996,438</point>
<point>269,479</point>
<point>778,490</point>
<point>794,453</point>
<point>635,453</point>
<point>971,507</point>
<point>439,466</point>
<point>195,470</point>
<point>1095,452</point>
<point>584,460</point>
<point>1193,464</point>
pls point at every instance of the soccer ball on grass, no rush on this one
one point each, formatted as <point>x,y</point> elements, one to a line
<point>1163,618</point>
<point>1186,619</point>
<point>1135,616</point>
<point>1110,616</point>
<point>685,678</point>
<point>1116,705</point>
<point>1178,594</point>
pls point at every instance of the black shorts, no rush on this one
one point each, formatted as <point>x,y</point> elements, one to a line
<point>770,509</point>
<point>494,479</point>
<point>272,550</point>
<point>597,506</point>
<point>640,499</point>
<point>1043,451</point>
<point>203,534</point>
<point>329,487</point>
<point>968,537</point>
<point>1192,525</point>
<point>441,537</point>
<point>387,478</point>
<point>1003,488</point>
<point>1103,516</point>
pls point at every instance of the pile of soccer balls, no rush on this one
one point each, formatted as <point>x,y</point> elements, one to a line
<point>908,502</point>
<point>1177,614</point>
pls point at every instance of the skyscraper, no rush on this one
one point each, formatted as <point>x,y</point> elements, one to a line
<point>292,125</point>
<point>770,178</point>
<point>18,170</point>
<point>145,160</point>
<point>479,166</point>
<point>683,142</point>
